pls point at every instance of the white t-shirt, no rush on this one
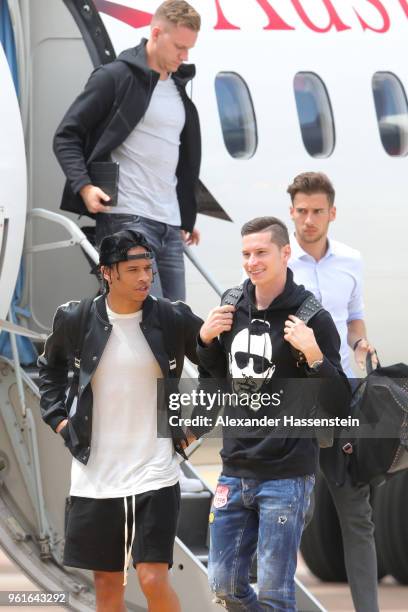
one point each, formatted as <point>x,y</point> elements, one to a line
<point>126,456</point>
<point>148,159</point>
<point>336,281</point>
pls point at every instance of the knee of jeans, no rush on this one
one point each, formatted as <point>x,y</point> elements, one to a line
<point>220,583</point>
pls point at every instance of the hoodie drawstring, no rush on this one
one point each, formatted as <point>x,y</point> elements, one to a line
<point>128,551</point>
<point>249,335</point>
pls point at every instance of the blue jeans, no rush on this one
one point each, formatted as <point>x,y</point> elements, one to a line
<point>262,516</point>
<point>166,243</point>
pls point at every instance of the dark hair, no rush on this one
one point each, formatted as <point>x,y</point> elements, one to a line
<point>114,248</point>
<point>179,13</point>
<point>311,183</point>
<point>278,230</point>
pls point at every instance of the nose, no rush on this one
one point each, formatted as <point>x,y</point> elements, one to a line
<point>184,55</point>
<point>252,259</point>
<point>309,218</point>
<point>146,276</point>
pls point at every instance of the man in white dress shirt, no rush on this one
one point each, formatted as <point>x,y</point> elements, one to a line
<point>333,272</point>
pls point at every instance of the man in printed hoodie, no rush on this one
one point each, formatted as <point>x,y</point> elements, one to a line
<point>264,489</point>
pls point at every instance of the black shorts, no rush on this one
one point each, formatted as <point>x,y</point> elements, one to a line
<point>95,530</point>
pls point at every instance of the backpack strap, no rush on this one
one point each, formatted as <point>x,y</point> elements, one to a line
<point>306,311</point>
<point>232,296</point>
<point>171,331</point>
<point>169,327</point>
<point>78,329</point>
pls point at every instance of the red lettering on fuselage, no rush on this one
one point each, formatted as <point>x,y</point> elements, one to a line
<point>404,6</point>
<point>222,22</point>
<point>335,21</point>
<point>385,17</point>
<point>140,19</point>
<point>275,21</point>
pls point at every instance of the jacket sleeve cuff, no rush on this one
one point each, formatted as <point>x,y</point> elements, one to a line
<point>55,420</point>
<point>326,370</point>
<point>77,185</point>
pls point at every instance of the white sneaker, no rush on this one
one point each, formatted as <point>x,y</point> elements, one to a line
<point>190,485</point>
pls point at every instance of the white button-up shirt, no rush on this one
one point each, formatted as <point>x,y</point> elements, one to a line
<point>336,281</point>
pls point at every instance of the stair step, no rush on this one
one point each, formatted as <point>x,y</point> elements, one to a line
<point>201,553</point>
<point>196,495</point>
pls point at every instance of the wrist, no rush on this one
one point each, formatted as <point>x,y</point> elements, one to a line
<point>61,425</point>
<point>84,190</point>
<point>312,355</point>
<point>357,342</point>
<point>205,339</point>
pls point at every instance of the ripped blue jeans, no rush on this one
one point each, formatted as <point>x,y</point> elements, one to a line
<point>262,516</point>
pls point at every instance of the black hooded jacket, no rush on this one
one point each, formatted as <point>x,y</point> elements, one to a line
<point>113,102</point>
<point>265,352</point>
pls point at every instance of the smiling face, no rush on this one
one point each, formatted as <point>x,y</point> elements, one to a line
<point>264,262</point>
<point>171,44</point>
<point>130,281</point>
<point>312,215</point>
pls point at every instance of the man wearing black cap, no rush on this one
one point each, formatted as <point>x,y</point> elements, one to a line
<point>124,496</point>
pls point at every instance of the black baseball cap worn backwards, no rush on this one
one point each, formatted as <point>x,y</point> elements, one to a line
<point>115,248</point>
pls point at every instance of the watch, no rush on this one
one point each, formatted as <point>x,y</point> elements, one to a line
<point>315,366</point>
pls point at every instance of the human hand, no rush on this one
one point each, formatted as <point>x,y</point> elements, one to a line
<point>302,338</point>
<point>61,425</point>
<point>360,354</point>
<point>190,238</point>
<point>190,439</point>
<point>218,321</point>
<point>93,198</point>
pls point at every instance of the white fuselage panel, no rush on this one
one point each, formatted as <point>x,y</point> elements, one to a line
<point>13,186</point>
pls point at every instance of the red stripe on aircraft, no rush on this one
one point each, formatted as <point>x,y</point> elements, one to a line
<point>133,17</point>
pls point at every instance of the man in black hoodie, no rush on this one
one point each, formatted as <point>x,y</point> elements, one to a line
<point>135,111</point>
<point>264,489</point>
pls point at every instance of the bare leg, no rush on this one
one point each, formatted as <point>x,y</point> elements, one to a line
<point>155,584</point>
<point>110,592</point>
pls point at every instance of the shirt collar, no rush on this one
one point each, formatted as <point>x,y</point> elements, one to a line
<point>298,253</point>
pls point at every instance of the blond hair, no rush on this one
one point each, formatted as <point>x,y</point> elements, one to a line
<point>179,13</point>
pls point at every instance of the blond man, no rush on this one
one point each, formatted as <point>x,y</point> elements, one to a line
<point>135,111</point>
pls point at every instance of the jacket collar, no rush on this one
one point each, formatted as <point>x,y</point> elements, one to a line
<point>100,304</point>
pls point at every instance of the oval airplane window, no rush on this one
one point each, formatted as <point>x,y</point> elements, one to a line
<point>392,112</point>
<point>315,114</point>
<point>237,115</point>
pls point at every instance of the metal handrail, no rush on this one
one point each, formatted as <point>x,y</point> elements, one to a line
<point>210,280</point>
<point>77,235</point>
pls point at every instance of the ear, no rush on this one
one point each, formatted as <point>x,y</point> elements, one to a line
<point>106,274</point>
<point>155,32</point>
<point>291,211</point>
<point>332,213</point>
<point>286,253</point>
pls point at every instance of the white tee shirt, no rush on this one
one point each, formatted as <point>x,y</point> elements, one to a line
<point>149,156</point>
<point>126,456</point>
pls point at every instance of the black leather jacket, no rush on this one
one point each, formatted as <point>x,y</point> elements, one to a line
<point>58,357</point>
<point>113,102</point>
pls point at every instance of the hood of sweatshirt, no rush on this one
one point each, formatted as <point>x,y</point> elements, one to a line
<point>136,58</point>
<point>256,346</point>
<point>292,296</point>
